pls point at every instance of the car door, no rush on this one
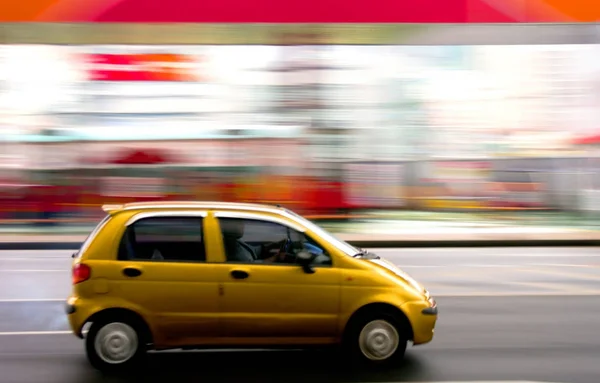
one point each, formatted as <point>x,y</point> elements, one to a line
<point>264,302</point>
<point>162,269</point>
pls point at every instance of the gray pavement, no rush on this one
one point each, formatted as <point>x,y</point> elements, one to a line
<point>505,314</point>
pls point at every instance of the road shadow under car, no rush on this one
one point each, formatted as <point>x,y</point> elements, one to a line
<point>264,366</point>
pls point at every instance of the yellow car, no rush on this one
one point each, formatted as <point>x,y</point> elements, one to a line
<point>192,275</point>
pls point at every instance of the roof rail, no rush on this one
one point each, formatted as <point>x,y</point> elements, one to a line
<point>112,208</point>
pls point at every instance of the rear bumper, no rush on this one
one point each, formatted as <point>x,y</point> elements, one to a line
<point>75,315</point>
<point>70,308</point>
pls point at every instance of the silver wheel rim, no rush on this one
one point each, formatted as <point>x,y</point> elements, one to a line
<point>378,340</point>
<point>116,343</point>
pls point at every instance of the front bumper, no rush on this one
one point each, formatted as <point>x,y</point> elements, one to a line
<point>422,316</point>
<point>432,310</point>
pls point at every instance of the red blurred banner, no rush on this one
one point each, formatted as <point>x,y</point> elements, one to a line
<point>143,67</point>
<point>301,11</point>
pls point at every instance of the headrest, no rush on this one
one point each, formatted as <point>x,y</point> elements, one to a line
<point>232,227</point>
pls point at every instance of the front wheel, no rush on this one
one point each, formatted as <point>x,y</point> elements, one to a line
<point>114,345</point>
<point>377,340</point>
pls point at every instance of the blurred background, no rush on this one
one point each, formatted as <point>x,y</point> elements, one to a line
<point>448,123</point>
<point>386,121</point>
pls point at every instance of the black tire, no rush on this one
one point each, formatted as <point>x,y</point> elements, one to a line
<point>390,324</point>
<point>121,328</point>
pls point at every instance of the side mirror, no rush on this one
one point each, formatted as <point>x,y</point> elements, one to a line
<point>305,258</point>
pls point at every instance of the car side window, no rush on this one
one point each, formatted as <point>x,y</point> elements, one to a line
<point>164,239</point>
<point>257,241</point>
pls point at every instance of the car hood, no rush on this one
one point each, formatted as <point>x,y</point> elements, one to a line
<point>400,274</point>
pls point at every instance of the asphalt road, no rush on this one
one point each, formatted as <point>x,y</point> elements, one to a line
<point>513,314</point>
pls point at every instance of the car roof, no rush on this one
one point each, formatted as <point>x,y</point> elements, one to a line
<point>159,205</point>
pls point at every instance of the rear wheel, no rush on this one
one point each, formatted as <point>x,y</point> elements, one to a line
<point>376,338</point>
<point>113,345</point>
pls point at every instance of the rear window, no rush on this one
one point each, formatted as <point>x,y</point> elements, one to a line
<point>91,236</point>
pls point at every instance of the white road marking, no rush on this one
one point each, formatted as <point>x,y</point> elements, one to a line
<point>36,253</point>
<point>483,265</point>
<point>491,294</point>
<point>500,266</point>
<point>566,274</point>
<point>13,333</point>
<point>489,252</point>
<point>33,270</point>
<point>33,300</point>
<point>34,259</point>
<point>560,265</point>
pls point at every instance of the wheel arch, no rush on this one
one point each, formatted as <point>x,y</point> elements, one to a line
<point>114,314</point>
<point>383,308</point>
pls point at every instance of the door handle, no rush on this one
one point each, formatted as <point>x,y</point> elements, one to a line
<point>132,272</point>
<point>239,274</point>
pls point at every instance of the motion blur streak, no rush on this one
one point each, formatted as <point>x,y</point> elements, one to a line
<point>330,130</point>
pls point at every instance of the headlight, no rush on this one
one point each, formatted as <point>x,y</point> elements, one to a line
<point>432,302</point>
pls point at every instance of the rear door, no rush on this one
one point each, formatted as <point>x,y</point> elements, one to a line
<point>162,268</point>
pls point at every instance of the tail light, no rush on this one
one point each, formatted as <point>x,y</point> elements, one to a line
<point>81,273</point>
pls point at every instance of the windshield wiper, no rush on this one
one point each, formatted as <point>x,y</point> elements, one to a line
<point>360,253</point>
<point>366,254</point>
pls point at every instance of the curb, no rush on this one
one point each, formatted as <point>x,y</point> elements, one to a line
<point>362,243</point>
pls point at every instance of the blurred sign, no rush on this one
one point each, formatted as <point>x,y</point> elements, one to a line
<point>458,172</point>
<point>374,185</point>
<point>143,67</point>
<point>134,187</point>
<point>457,184</point>
<point>48,155</point>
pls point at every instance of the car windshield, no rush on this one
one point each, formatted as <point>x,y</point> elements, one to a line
<point>341,245</point>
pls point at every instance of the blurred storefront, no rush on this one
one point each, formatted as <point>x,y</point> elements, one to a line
<point>324,119</point>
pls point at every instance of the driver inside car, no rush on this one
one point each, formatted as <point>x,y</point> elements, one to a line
<point>237,250</point>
